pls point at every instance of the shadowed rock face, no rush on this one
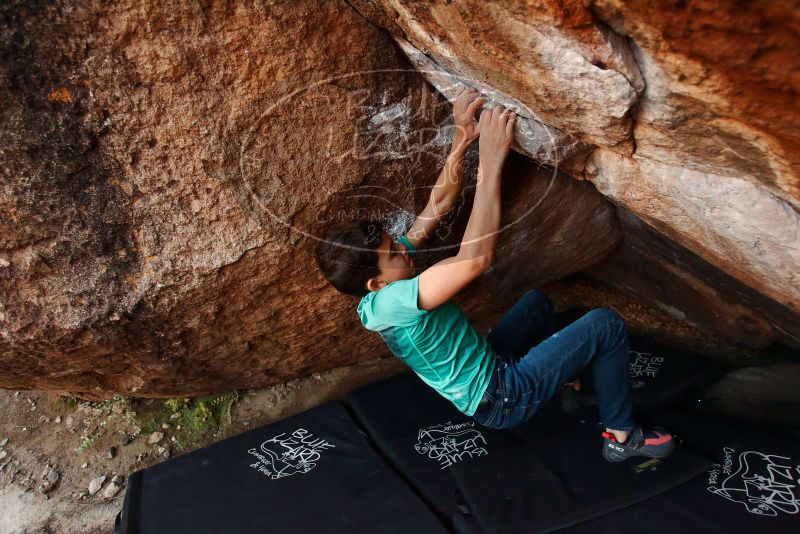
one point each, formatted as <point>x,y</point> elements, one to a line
<point>765,396</point>
<point>687,109</point>
<point>167,170</point>
<point>670,277</point>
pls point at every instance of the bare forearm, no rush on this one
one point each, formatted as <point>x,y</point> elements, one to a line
<point>448,186</point>
<point>480,236</point>
<point>496,133</point>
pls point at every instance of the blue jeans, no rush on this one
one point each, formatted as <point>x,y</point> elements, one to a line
<point>534,361</point>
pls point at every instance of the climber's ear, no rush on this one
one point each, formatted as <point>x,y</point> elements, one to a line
<point>374,283</point>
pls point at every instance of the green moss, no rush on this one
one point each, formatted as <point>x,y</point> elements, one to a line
<point>86,442</point>
<point>70,401</point>
<point>97,415</point>
<point>198,417</point>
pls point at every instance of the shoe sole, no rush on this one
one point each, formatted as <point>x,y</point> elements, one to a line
<point>620,456</point>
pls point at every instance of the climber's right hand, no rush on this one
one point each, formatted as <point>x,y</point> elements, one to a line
<point>466,104</point>
<point>496,127</point>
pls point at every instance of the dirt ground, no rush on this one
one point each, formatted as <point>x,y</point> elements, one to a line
<point>53,447</point>
<point>57,446</point>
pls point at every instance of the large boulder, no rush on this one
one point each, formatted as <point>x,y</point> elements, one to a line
<point>167,171</point>
<point>156,160</point>
<point>686,109</point>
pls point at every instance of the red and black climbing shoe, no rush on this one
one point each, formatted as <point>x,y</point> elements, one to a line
<point>653,442</point>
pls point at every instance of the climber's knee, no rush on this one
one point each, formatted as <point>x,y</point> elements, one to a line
<point>536,298</point>
<point>606,316</point>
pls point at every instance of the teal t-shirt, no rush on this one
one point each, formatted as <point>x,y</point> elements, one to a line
<point>440,345</point>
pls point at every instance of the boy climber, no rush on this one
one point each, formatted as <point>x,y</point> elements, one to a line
<point>500,380</point>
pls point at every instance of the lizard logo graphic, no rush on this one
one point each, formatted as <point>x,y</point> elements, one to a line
<point>450,443</point>
<point>289,454</point>
<point>765,484</point>
<point>644,365</point>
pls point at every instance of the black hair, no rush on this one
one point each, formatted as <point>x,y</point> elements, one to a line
<point>347,255</point>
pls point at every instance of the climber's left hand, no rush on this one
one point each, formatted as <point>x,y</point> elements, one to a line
<point>467,102</point>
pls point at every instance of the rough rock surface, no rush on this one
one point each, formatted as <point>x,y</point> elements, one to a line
<point>763,396</point>
<point>546,144</point>
<point>689,109</point>
<point>570,73</point>
<point>166,170</point>
<point>667,276</point>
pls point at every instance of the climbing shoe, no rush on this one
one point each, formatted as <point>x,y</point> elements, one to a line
<point>653,442</point>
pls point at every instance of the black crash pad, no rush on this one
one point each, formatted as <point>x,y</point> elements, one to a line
<point>314,472</point>
<point>422,435</point>
<point>660,377</point>
<point>752,487</point>
<point>563,480</point>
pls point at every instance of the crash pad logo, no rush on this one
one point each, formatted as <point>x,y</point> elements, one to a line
<point>644,365</point>
<point>450,443</point>
<point>288,454</point>
<point>765,484</point>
